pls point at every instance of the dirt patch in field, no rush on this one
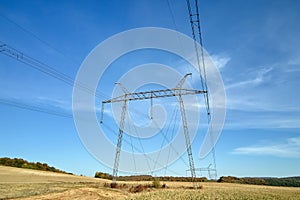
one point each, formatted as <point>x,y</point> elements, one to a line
<point>82,194</point>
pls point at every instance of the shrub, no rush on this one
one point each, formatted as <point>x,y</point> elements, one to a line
<point>138,188</point>
<point>113,185</point>
<point>156,183</point>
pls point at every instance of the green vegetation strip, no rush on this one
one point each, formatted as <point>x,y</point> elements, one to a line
<point>21,163</point>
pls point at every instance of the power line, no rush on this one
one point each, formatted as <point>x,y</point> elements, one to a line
<point>132,149</point>
<point>166,139</point>
<point>37,37</point>
<point>33,108</point>
<point>172,15</point>
<point>138,150</point>
<point>48,70</point>
<point>44,68</point>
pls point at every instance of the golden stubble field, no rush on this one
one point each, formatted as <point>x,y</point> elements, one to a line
<point>28,184</point>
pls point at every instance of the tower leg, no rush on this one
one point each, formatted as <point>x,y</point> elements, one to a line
<point>187,142</point>
<point>119,144</point>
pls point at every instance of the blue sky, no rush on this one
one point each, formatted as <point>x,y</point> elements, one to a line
<point>255,44</point>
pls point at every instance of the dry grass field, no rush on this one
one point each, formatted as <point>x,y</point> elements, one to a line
<point>32,184</point>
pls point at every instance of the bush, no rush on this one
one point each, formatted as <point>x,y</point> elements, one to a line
<point>138,188</point>
<point>113,185</point>
<point>103,175</point>
<point>156,183</point>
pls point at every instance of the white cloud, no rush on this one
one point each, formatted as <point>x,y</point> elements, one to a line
<point>55,103</point>
<point>293,65</point>
<point>260,77</point>
<point>268,88</point>
<point>262,122</point>
<point>220,61</point>
<point>289,149</point>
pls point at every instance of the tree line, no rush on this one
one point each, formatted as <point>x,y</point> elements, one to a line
<point>21,163</point>
<point>148,178</point>
<point>288,181</point>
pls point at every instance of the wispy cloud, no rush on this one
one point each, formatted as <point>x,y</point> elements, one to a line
<point>289,149</point>
<point>220,60</point>
<point>259,77</point>
<point>293,65</point>
<point>54,103</point>
<point>294,61</point>
<point>262,122</point>
<point>39,104</point>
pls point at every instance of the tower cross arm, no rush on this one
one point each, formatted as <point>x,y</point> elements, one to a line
<point>154,94</point>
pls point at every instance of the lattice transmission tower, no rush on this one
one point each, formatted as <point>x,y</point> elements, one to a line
<point>133,96</point>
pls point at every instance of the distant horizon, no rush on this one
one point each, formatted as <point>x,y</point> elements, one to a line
<point>71,173</point>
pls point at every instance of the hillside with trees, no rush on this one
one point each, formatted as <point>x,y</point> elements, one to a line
<point>21,163</point>
<point>288,181</point>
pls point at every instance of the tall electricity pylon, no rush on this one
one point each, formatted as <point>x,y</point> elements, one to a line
<point>132,96</point>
